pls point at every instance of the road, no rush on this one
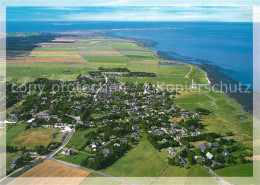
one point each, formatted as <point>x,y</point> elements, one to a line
<point>221,181</point>
<point>93,171</point>
<point>24,169</point>
<point>50,157</point>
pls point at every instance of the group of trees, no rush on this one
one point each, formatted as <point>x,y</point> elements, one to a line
<point>202,111</point>
<point>139,74</point>
<point>116,69</point>
<point>154,141</point>
<point>100,161</point>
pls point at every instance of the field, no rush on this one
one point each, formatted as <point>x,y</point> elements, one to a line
<point>141,161</point>
<point>87,54</point>
<point>13,132</point>
<point>242,170</point>
<point>35,137</point>
<point>52,169</point>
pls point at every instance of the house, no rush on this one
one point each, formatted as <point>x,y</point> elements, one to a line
<point>156,132</point>
<point>95,145</point>
<point>172,126</point>
<point>123,140</point>
<point>135,127</point>
<point>136,136</point>
<point>171,150</point>
<point>209,155</point>
<point>214,145</point>
<point>116,128</point>
<point>183,130</point>
<point>67,152</point>
<point>164,140</point>
<point>214,164</point>
<point>13,117</point>
<point>16,110</point>
<point>225,153</point>
<point>202,148</point>
<point>105,152</point>
<point>181,160</point>
<point>116,144</point>
<point>192,127</point>
<point>34,125</point>
<point>43,115</point>
<point>13,165</point>
<point>33,111</point>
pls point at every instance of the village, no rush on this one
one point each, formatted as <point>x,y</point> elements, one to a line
<point>122,113</point>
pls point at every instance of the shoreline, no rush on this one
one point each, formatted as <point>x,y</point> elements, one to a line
<point>212,74</point>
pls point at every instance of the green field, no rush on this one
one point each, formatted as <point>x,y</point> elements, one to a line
<point>143,160</point>
<point>57,71</point>
<point>242,170</point>
<point>13,132</point>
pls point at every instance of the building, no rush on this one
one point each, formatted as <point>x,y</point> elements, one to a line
<point>225,153</point>
<point>209,155</point>
<point>67,152</point>
<point>43,115</point>
<point>135,127</point>
<point>123,140</point>
<point>202,148</point>
<point>13,165</point>
<point>105,152</point>
<point>171,150</point>
<point>136,136</point>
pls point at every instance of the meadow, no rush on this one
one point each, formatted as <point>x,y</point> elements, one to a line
<point>142,160</point>
<point>34,137</point>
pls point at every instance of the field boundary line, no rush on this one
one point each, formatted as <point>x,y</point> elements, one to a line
<point>93,171</point>
<point>82,57</point>
<point>229,122</point>
<point>187,75</point>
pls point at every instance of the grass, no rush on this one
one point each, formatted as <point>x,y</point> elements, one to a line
<point>75,159</point>
<point>242,170</point>
<point>34,137</point>
<point>13,132</point>
<point>78,138</point>
<point>56,71</point>
<point>198,171</point>
<point>141,161</point>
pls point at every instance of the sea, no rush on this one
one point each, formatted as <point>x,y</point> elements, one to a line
<point>223,49</point>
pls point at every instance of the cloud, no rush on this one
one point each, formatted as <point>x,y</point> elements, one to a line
<point>113,13</point>
<point>62,8</point>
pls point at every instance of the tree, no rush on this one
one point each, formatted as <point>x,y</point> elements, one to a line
<point>85,115</point>
<point>40,149</point>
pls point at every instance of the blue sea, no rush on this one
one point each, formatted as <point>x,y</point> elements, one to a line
<point>225,50</point>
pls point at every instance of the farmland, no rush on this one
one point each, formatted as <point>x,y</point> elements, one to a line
<point>52,169</point>
<point>65,58</point>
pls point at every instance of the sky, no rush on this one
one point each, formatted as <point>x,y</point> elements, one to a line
<point>131,13</point>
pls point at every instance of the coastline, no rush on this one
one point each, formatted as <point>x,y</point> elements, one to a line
<point>212,74</point>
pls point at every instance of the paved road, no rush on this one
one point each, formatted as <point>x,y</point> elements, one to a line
<point>221,181</point>
<point>93,171</point>
<point>24,169</point>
